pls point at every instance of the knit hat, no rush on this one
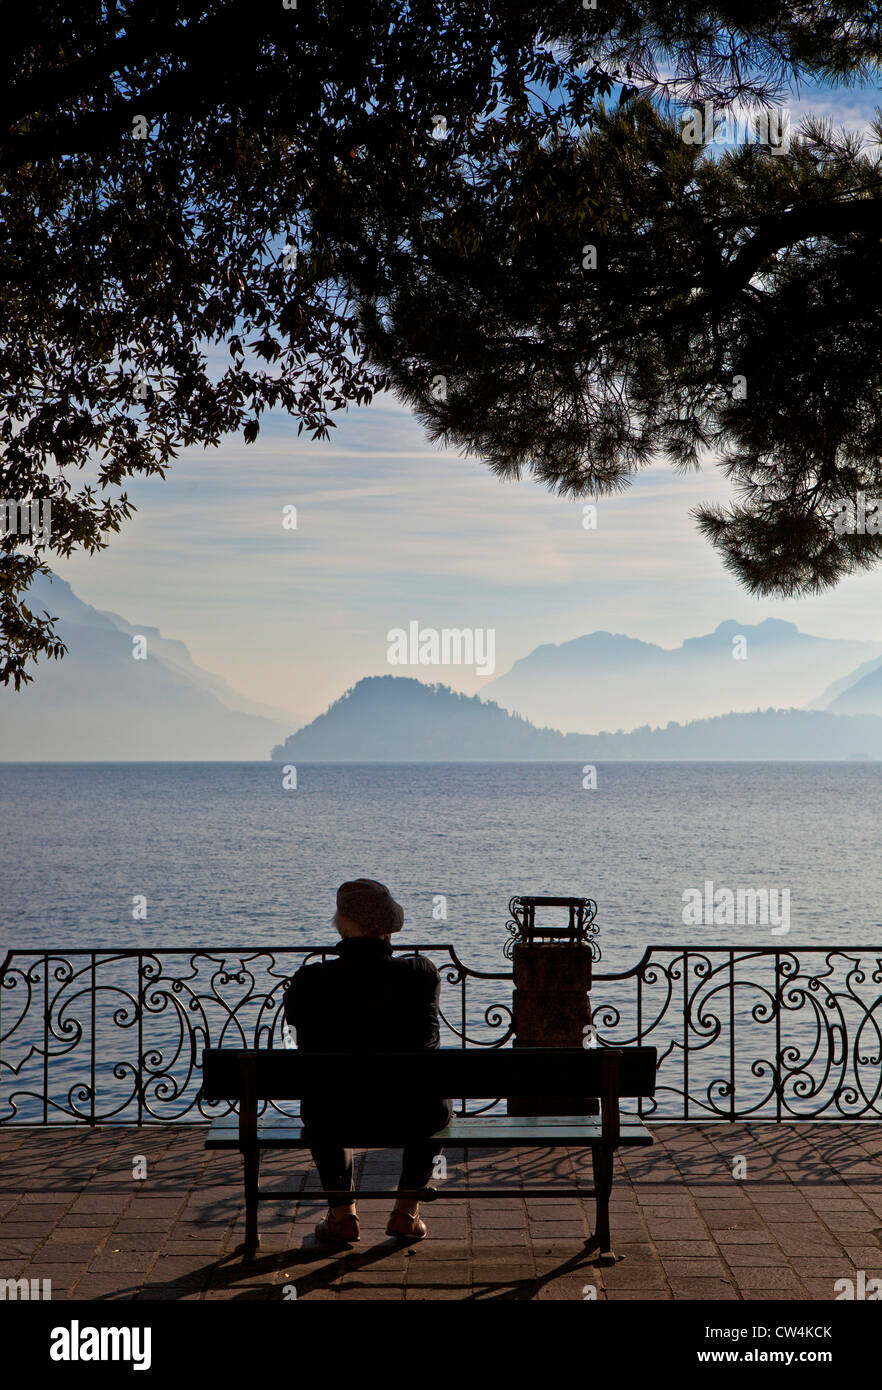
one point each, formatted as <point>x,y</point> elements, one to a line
<point>371,905</point>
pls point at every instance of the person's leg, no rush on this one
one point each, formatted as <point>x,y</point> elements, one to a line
<point>334,1164</point>
<point>417,1166</point>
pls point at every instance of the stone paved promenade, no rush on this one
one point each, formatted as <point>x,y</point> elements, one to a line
<point>809,1213</point>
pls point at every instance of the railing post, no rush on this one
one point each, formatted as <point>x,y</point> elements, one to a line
<point>46,1038</point>
<point>94,1028</point>
<point>140,1074</point>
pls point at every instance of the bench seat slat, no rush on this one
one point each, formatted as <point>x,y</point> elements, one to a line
<point>529,1130</point>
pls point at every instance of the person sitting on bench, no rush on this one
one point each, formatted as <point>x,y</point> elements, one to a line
<point>369,1001</point>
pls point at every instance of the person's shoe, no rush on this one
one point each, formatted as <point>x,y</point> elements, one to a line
<point>338,1230</point>
<point>406,1228</point>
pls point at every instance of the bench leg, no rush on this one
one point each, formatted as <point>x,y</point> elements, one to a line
<point>602,1164</point>
<point>251,1161</point>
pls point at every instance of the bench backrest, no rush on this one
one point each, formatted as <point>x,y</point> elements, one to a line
<point>470,1073</point>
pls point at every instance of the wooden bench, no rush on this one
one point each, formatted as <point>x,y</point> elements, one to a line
<point>251,1077</point>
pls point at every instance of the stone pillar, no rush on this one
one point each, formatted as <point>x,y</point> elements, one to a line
<point>551,1009</point>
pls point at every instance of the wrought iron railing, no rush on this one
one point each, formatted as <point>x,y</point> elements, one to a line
<point>765,1033</point>
<point>762,1033</point>
<point>111,1037</point>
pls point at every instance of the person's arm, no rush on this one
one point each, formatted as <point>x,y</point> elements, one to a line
<point>423,1024</point>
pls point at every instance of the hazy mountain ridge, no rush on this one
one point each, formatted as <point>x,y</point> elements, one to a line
<point>399,719</point>
<point>861,696</point>
<point>826,698</point>
<point>175,655</point>
<point>608,680</point>
<point>99,703</point>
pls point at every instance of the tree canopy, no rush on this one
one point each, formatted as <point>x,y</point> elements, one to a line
<point>626,296</point>
<point>212,210</point>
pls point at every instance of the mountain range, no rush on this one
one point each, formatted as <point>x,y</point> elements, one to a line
<point>100,703</point>
<point>599,696</point>
<point>609,681</point>
<point>398,719</point>
<point>863,696</point>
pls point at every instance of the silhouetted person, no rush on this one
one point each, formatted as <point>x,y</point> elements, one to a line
<point>369,1001</point>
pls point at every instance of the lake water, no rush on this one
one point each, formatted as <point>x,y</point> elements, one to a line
<point>224,855</point>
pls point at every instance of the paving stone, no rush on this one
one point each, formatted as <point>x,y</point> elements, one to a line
<point>103,1202</point>
<point>547,1230</point>
<point>36,1217</point>
<point>693,1269</point>
<point>78,1235</point>
<point>821,1289</point>
<point>125,1261</point>
<point>806,1244</point>
<point>18,1247</point>
<point>181,1295</point>
<point>717,1289</point>
<point>174,1269</point>
<point>628,1273</point>
<point>60,1281</point>
<point>133,1240</point>
<point>500,1272</point>
<point>761,1236</point>
<point>763,1255</point>
<point>61,1252</point>
<point>729,1221</point>
<point>104,1286</point>
<point>765,1277</point>
<point>864,1257</point>
<point>439,1274</point>
<point>384,1295</point>
<point>685,1249</point>
<point>822,1267</point>
<point>568,1290</point>
<point>154,1224</point>
<point>850,1221</point>
<point>676,1230</point>
<point>772,1295</point>
<point>482,1238</point>
<point>498,1221</point>
<point>633,1294</point>
<point>153,1206</point>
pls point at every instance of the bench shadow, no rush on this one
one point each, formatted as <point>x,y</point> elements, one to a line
<point>313,1268</point>
<point>235,1268</point>
<point>507,1290</point>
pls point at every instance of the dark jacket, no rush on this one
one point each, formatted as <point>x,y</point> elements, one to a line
<point>369,1001</point>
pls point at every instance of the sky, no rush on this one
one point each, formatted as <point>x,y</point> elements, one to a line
<point>392,529</point>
